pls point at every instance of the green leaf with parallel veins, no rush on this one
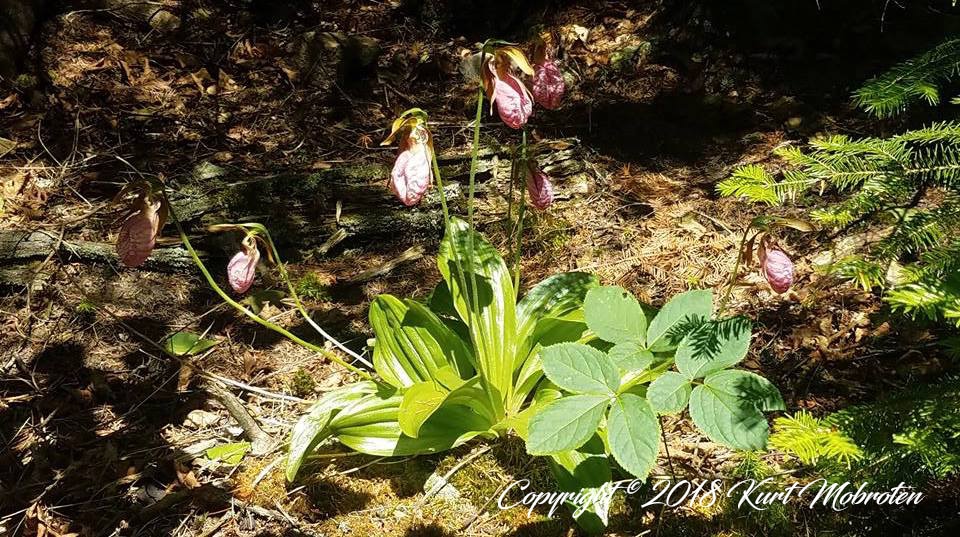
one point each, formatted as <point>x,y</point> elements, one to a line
<point>614,315</point>
<point>311,429</point>
<point>677,317</point>
<point>421,400</point>
<point>565,424</point>
<point>413,343</point>
<point>482,290</point>
<point>728,408</point>
<point>553,297</point>
<point>633,434</point>
<point>713,346</point>
<point>630,356</point>
<point>371,425</point>
<point>669,393</point>
<point>578,368</point>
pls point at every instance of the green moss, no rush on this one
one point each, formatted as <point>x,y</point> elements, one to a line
<point>312,287</point>
<point>302,383</point>
<point>86,308</point>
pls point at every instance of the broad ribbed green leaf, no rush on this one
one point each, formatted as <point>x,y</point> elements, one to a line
<point>669,393</point>
<point>370,425</point>
<point>423,399</point>
<point>630,357</point>
<point>412,343</point>
<point>585,470</point>
<point>483,295</point>
<point>677,317</point>
<point>311,429</point>
<point>728,408</point>
<point>614,315</point>
<point>565,424</point>
<point>549,331</point>
<point>633,434</point>
<point>578,368</point>
<point>713,346</point>
<point>553,297</point>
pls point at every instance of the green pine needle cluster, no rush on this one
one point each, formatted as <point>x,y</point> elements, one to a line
<point>917,79</point>
<point>914,434</point>
<point>907,185</point>
<point>810,439</point>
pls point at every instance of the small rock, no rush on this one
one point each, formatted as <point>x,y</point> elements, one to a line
<point>164,21</point>
<point>201,419</point>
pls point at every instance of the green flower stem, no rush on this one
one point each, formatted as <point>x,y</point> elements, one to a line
<point>513,176</point>
<point>523,207</point>
<point>446,227</point>
<point>259,320</point>
<point>443,195</point>
<point>472,191</point>
<point>299,304</point>
<point>734,274</point>
<point>474,305</point>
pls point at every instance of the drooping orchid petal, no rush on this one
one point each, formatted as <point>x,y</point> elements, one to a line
<point>242,268</point>
<point>539,187</point>
<point>548,85</point>
<point>412,172</point>
<point>138,235</point>
<point>512,99</point>
<point>777,268</point>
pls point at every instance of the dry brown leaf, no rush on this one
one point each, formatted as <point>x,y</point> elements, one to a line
<point>185,476</point>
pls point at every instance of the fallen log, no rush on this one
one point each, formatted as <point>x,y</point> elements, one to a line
<point>19,248</point>
<point>308,214</point>
<point>304,210</point>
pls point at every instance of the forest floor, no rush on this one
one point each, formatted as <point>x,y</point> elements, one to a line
<point>104,435</point>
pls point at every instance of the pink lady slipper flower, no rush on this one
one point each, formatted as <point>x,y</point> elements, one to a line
<point>242,268</point>
<point>412,172</point>
<point>539,187</point>
<point>776,266</point>
<point>513,100</point>
<point>548,84</point>
<point>139,232</point>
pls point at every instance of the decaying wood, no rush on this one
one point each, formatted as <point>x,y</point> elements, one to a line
<point>310,208</point>
<point>310,213</point>
<point>260,442</point>
<point>19,248</point>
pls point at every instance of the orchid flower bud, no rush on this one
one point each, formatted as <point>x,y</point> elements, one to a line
<point>138,235</point>
<point>512,99</point>
<point>539,187</point>
<point>548,84</point>
<point>242,268</point>
<point>777,268</point>
<point>412,172</point>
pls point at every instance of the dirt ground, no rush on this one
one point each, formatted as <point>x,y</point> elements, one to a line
<point>104,435</point>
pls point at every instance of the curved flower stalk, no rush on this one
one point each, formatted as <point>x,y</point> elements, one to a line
<point>412,172</point>
<point>548,84</point>
<point>139,232</point>
<point>775,265</point>
<point>258,232</point>
<point>506,91</point>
